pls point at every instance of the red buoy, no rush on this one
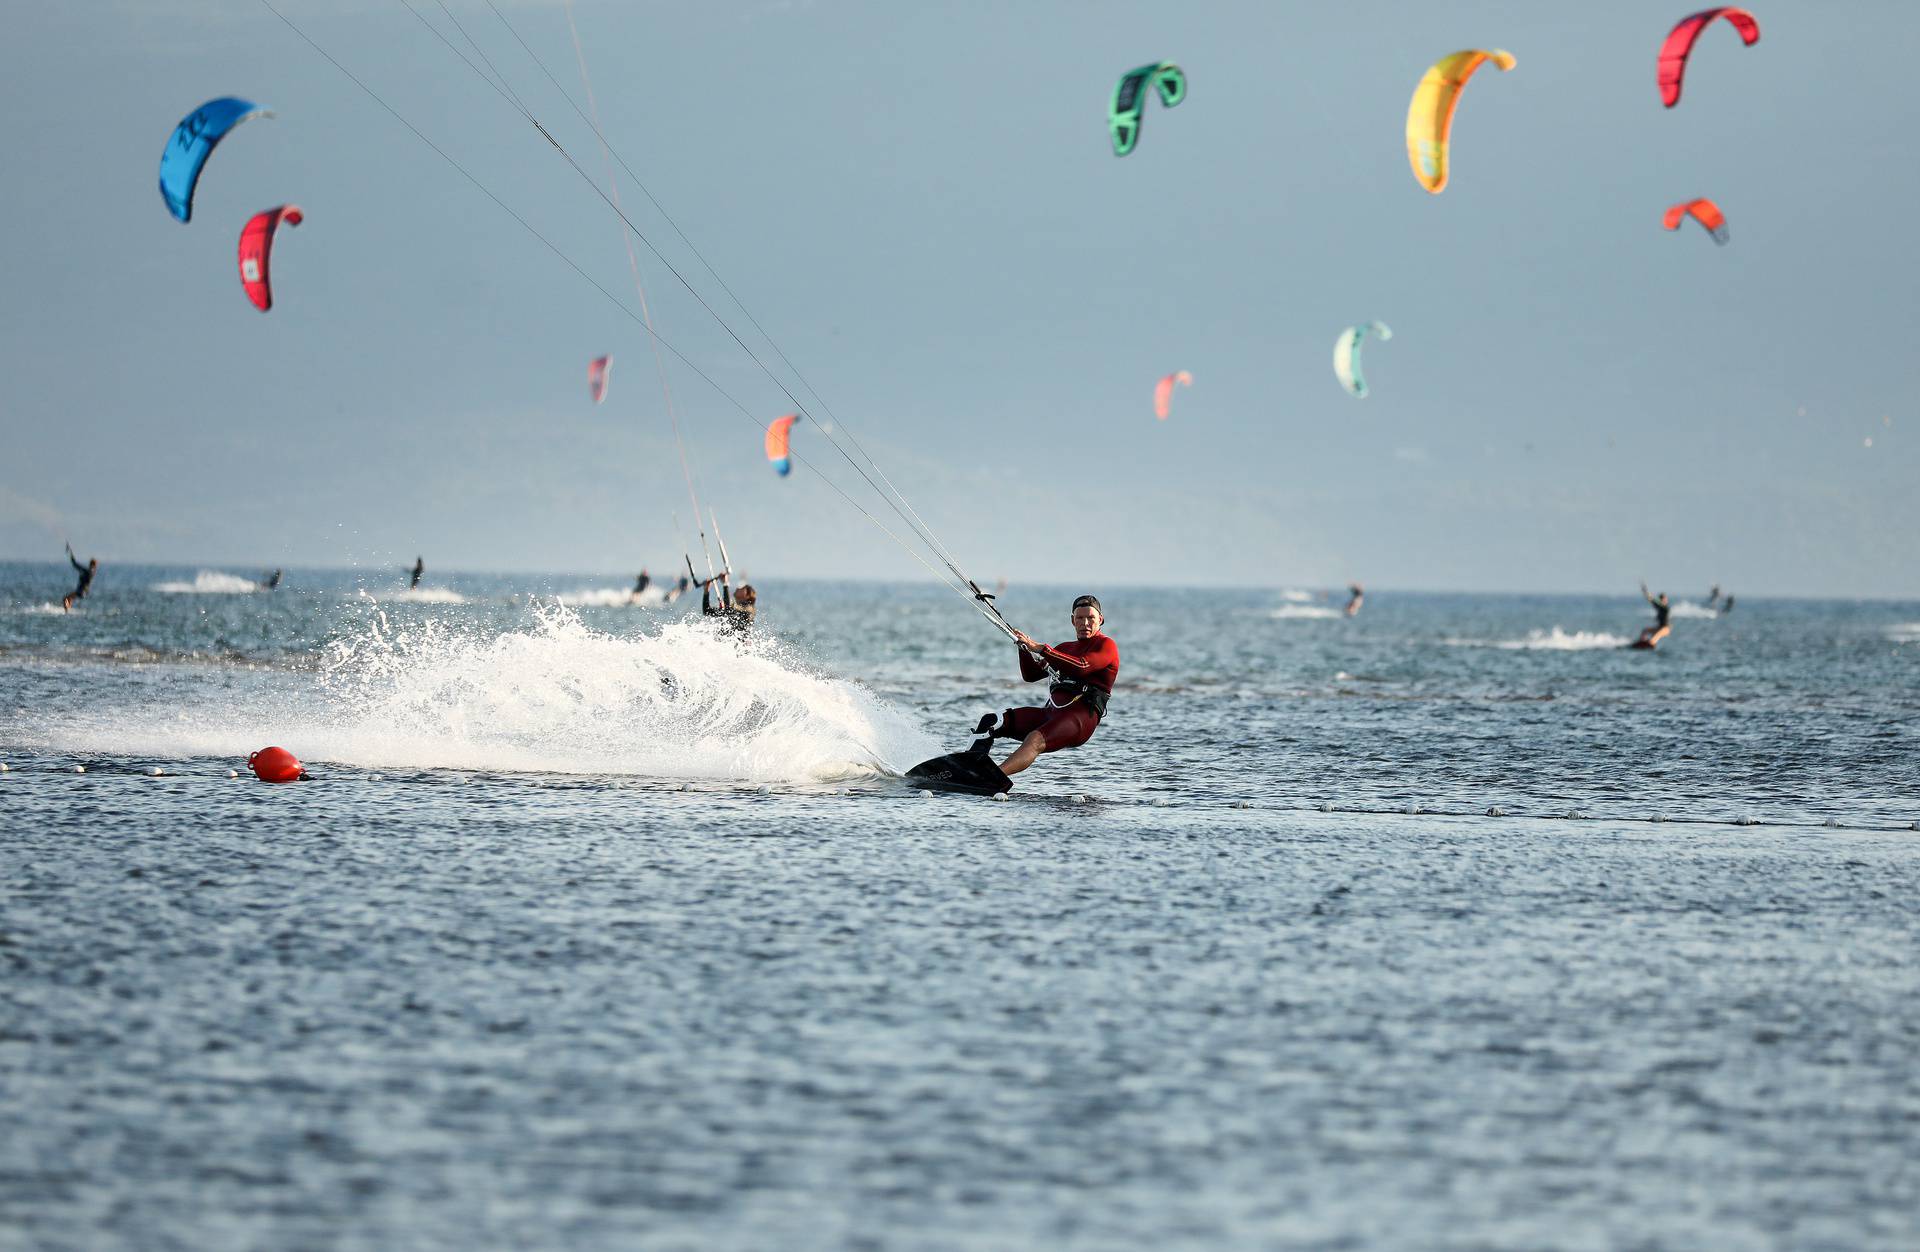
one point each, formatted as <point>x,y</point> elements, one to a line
<point>275,765</point>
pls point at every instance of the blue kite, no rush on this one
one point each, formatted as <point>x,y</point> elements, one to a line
<point>192,142</point>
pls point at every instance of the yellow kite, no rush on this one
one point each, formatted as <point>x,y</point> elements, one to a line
<point>1430,116</point>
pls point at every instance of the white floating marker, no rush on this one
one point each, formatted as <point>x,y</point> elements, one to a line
<point>1496,811</point>
<point>1325,807</point>
<point>155,772</point>
<point>4,767</point>
<point>1243,804</point>
<point>79,769</point>
<point>926,795</point>
<point>1001,795</point>
<point>233,773</point>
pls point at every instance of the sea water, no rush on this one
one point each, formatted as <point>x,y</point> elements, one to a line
<point>1454,924</point>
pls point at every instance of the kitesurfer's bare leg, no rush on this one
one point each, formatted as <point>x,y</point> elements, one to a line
<point>1030,747</point>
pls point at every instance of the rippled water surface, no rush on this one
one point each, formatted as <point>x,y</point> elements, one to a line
<point>595,930</point>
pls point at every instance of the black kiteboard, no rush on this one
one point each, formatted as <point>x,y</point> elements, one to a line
<point>972,771</point>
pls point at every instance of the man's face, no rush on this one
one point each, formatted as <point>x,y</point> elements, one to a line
<point>1086,622</point>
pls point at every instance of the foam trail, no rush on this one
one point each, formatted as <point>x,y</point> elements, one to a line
<point>612,597</point>
<point>1303,612</point>
<point>1687,608</point>
<point>421,595</point>
<point>1294,595</point>
<point>210,582</point>
<point>558,697</point>
<point>1554,640</point>
<point>1904,632</point>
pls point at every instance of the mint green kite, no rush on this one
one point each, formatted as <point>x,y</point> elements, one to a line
<point>1130,100</point>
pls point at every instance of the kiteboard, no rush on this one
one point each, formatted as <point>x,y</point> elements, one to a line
<point>972,772</point>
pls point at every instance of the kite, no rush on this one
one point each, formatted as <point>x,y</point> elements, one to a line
<point>1679,46</point>
<point>1705,212</point>
<point>598,370</point>
<point>256,245</point>
<point>192,142</point>
<point>1163,392</point>
<point>1430,115</point>
<point>778,435</point>
<point>1126,113</point>
<point>1346,355</point>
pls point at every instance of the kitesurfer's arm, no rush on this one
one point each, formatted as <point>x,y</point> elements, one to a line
<point>1104,654</point>
<point>1031,668</point>
<point>74,560</point>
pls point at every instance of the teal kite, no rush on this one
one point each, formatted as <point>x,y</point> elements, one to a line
<point>1130,100</point>
<point>1346,356</point>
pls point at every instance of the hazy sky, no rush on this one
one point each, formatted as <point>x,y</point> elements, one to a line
<point>920,203</point>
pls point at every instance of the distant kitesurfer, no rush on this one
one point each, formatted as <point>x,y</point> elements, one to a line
<point>641,584</point>
<point>1356,593</point>
<point>1082,670</point>
<point>1713,597</point>
<point>419,568</point>
<point>273,581</point>
<point>679,588</point>
<point>1662,610</point>
<point>735,610</point>
<point>87,572</point>
<point>1726,605</point>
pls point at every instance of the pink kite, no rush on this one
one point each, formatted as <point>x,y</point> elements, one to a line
<point>1679,46</point>
<point>1163,392</point>
<point>597,371</point>
<point>256,245</point>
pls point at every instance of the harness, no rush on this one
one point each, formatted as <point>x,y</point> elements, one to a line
<point>1095,698</point>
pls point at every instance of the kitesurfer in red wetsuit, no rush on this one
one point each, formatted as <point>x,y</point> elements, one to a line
<point>1082,670</point>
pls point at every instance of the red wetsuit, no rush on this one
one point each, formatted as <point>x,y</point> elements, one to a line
<point>1067,720</point>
